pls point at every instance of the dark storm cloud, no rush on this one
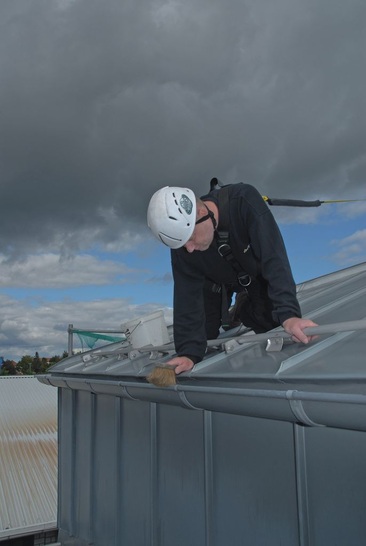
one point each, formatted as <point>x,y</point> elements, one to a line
<point>104,102</point>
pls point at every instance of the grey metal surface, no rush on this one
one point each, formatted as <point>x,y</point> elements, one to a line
<point>253,447</point>
<point>140,474</point>
<point>335,298</point>
<point>293,384</point>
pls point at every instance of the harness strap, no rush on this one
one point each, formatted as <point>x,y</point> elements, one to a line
<point>209,215</point>
<point>225,251</point>
<point>222,237</point>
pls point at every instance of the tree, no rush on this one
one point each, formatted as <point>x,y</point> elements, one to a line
<point>29,365</point>
<point>25,365</point>
<point>9,367</point>
<point>36,363</point>
<point>54,359</point>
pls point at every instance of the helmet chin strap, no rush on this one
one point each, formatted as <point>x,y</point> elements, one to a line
<point>210,215</point>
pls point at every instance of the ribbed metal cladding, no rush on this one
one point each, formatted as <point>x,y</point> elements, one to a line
<point>28,454</point>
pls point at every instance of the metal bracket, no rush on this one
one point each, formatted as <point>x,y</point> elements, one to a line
<point>134,354</point>
<point>274,344</point>
<point>86,358</point>
<point>230,346</point>
<point>90,358</point>
<point>154,355</point>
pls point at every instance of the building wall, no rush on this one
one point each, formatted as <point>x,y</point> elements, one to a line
<point>136,473</point>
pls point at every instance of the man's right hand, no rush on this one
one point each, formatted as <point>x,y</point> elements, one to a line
<point>181,364</point>
<point>295,326</point>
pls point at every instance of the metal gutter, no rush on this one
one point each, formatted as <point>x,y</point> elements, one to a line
<point>341,410</point>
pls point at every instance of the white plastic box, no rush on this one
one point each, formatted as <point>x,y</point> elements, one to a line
<point>147,330</point>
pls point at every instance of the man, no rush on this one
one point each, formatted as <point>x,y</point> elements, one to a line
<point>257,264</point>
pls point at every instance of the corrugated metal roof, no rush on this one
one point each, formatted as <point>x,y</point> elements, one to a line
<point>28,448</point>
<point>333,367</point>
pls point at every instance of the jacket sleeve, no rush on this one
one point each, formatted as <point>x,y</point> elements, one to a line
<point>188,312</point>
<point>269,249</point>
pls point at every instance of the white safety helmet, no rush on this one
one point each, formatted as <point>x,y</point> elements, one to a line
<point>171,215</point>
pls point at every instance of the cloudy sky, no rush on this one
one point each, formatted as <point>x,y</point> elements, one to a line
<point>104,102</point>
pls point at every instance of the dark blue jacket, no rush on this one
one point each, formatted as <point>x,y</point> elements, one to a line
<point>250,221</point>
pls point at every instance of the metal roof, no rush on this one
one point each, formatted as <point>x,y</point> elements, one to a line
<point>28,448</point>
<point>319,383</point>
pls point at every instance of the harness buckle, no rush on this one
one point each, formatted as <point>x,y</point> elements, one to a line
<point>244,280</point>
<point>224,250</point>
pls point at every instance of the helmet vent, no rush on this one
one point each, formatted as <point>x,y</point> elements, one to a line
<point>172,218</point>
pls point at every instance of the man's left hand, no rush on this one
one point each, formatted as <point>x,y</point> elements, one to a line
<point>295,327</point>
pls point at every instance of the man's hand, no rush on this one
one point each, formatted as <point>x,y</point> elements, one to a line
<point>181,364</point>
<point>295,326</point>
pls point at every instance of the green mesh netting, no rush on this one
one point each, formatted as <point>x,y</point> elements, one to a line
<point>90,338</point>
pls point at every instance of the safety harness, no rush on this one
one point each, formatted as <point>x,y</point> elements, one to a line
<point>225,251</point>
<point>222,238</point>
<point>223,245</point>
